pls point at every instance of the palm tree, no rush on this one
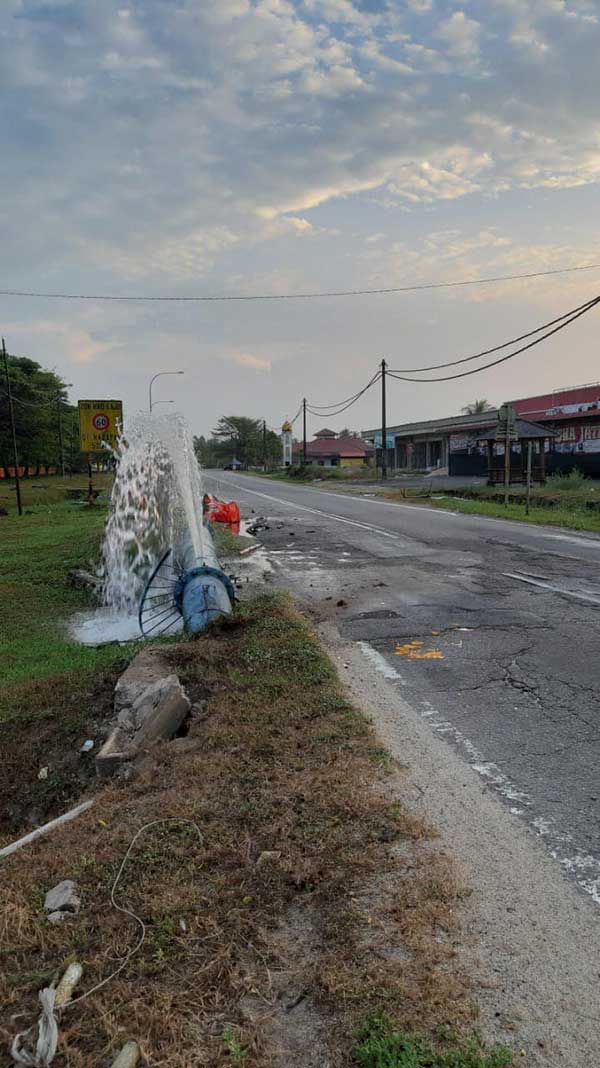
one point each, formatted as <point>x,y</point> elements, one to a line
<point>477,407</point>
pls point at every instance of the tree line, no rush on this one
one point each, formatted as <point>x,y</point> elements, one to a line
<point>42,414</point>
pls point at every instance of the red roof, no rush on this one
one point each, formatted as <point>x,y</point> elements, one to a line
<point>573,401</point>
<point>346,448</point>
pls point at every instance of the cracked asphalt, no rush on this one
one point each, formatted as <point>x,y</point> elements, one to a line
<point>490,630</point>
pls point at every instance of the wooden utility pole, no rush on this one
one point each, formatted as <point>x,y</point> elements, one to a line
<point>264,445</point>
<point>304,430</point>
<point>13,429</point>
<point>60,437</point>
<point>383,422</point>
<point>528,496</point>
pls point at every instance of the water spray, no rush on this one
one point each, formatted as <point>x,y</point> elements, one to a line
<point>159,555</point>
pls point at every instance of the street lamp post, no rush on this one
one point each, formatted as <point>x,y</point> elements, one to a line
<point>158,375</point>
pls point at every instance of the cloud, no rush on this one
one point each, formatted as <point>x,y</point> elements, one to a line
<point>158,143</point>
<point>75,342</point>
<point>256,363</point>
<point>460,35</point>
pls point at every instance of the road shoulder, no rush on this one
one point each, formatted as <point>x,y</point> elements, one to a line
<point>532,939</point>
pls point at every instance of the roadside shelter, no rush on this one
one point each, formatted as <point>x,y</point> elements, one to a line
<point>526,432</point>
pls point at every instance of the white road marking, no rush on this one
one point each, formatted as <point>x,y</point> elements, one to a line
<point>380,662</point>
<point>531,529</point>
<point>327,515</point>
<point>589,597</point>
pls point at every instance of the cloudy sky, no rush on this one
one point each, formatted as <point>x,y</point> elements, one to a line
<point>195,147</point>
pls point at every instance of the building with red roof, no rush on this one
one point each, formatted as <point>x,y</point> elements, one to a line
<point>329,450</point>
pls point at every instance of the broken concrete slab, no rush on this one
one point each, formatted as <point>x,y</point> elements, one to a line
<point>150,704</point>
<point>146,668</point>
<point>160,711</point>
<point>117,750</point>
<point>63,898</point>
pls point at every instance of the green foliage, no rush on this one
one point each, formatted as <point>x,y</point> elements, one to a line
<point>37,396</point>
<point>241,438</point>
<point>379,1046</point>
<point>477,407</point>
<point>233,1047</point>
<point>567,480</point>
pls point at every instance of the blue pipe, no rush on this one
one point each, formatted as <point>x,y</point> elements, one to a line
<point>203,593</point>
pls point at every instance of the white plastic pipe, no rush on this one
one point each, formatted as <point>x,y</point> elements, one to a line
<point>39,831</point>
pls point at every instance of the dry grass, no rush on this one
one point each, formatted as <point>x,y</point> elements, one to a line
<point>279,763</point>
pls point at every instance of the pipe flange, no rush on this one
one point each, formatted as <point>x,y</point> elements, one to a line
<point>196,572</point>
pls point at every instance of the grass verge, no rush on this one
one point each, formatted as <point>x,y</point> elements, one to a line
<point>314,895</point>
<point>41,492</point>
<point>572,516</point>
<point>55,693</point>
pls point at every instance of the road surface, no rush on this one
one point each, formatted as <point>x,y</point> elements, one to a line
<point>489,628</point>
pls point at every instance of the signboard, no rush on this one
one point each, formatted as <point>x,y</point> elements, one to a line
<point>506,429</point>
<point>100,423</point>
<point>390,440</point>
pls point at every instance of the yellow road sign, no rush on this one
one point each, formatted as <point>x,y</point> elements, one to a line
<point>100,423</point>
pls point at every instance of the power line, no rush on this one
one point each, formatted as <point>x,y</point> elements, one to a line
<point>342,406</point>
<point>487,352</point>
<point>354,396</point>
<point>298,296</point>
<point>494,363</point>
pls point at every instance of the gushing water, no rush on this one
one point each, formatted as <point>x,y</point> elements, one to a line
<point>156,503</point>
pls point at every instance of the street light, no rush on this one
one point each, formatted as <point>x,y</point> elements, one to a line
<point>162,402</point>
<point>158,375</point>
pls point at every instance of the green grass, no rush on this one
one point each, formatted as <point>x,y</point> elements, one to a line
<point>573,516</point>
<point>38,550</point>
<point>48,490</point>
<point>380,1046</point>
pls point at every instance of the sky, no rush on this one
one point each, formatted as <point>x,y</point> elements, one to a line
<point>236,147</point>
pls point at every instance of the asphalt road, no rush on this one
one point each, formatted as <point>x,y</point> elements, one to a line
<point>489,628</point>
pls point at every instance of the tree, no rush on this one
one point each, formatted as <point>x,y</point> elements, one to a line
<point>346,433</point>
<point>37,396</point>
<point>241,438</point>
<point>476,407</point>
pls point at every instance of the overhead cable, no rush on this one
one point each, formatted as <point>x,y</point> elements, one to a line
<point>297,296</point>
<point>505,344</point>
<point>354,396</point>
<point>502,359</point>
<point>343,406</point>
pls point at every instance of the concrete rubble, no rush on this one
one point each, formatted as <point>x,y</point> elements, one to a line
<point>61,901</point>
<point>150,704</point>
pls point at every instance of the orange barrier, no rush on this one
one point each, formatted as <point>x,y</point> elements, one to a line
<point>222,512</point>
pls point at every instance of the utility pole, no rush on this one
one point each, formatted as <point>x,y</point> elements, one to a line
<point>14,432</point>
<point>60,437</point>
<point>528,497</point>
<point>304,431</point>
<point>383,423</point>
<point>264,445</point>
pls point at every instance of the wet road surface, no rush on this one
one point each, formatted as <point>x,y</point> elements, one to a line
<point>490,628</point>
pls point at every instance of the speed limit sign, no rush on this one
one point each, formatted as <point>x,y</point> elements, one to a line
<point>100,424</point>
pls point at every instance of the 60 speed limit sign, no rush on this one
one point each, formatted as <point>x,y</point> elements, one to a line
<point>100,423</point>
